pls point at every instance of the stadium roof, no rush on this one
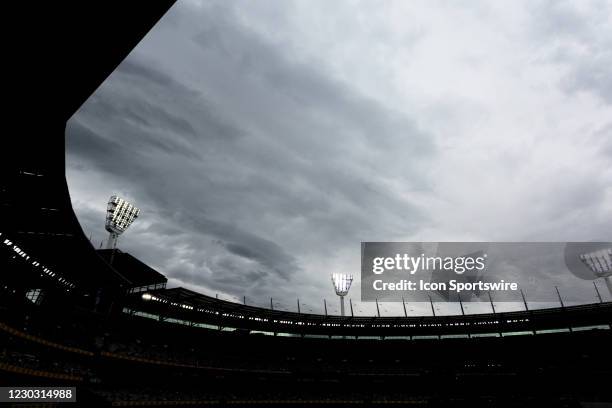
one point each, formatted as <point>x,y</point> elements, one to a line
<point>191,308</point>
<point>135,271</point>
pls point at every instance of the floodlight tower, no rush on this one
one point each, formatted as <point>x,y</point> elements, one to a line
<point>120,214</point>
<point>342,284</point>
<point>600,263</point>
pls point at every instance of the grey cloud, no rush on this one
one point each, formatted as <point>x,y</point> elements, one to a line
<point>593,75</point>
<point>87,143</point>
<point>267,253</point>
<point>578,35</point>
<point>260,170</point>
<point>309,89</point>
<point>134,135</point>
<point>559,19</point>
<point>140,72</point>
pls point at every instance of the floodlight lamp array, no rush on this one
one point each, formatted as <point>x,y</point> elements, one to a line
<point>342,283</point>
<point>120,214</point>
<point>600,262</point>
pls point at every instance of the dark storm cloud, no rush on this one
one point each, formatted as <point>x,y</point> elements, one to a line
<point>87,143</point>
<point>141,111</point>
<point>138,152</point>
<point>141,72</point>
<point>259,168</point>
<point>253,253</point>
<point>134,138</point>
<point>308,88</point>
<point>268,255</point>
<point>135,155</point>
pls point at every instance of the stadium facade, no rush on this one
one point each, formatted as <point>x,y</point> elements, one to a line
<point>104,322</point>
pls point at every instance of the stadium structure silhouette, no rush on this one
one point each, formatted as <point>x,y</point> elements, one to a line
<point>70,317</point>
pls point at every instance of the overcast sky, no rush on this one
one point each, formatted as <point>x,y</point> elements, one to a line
<point>265,140</point>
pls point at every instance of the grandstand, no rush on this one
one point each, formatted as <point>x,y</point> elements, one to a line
<point>71,317</point>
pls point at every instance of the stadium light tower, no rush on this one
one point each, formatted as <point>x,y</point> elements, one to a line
<point>600,263</point>
<point>342,284</point>
<point>120,214</point>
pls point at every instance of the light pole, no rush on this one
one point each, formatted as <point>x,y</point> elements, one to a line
<point>342,284</point>
<point>120,214</point>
